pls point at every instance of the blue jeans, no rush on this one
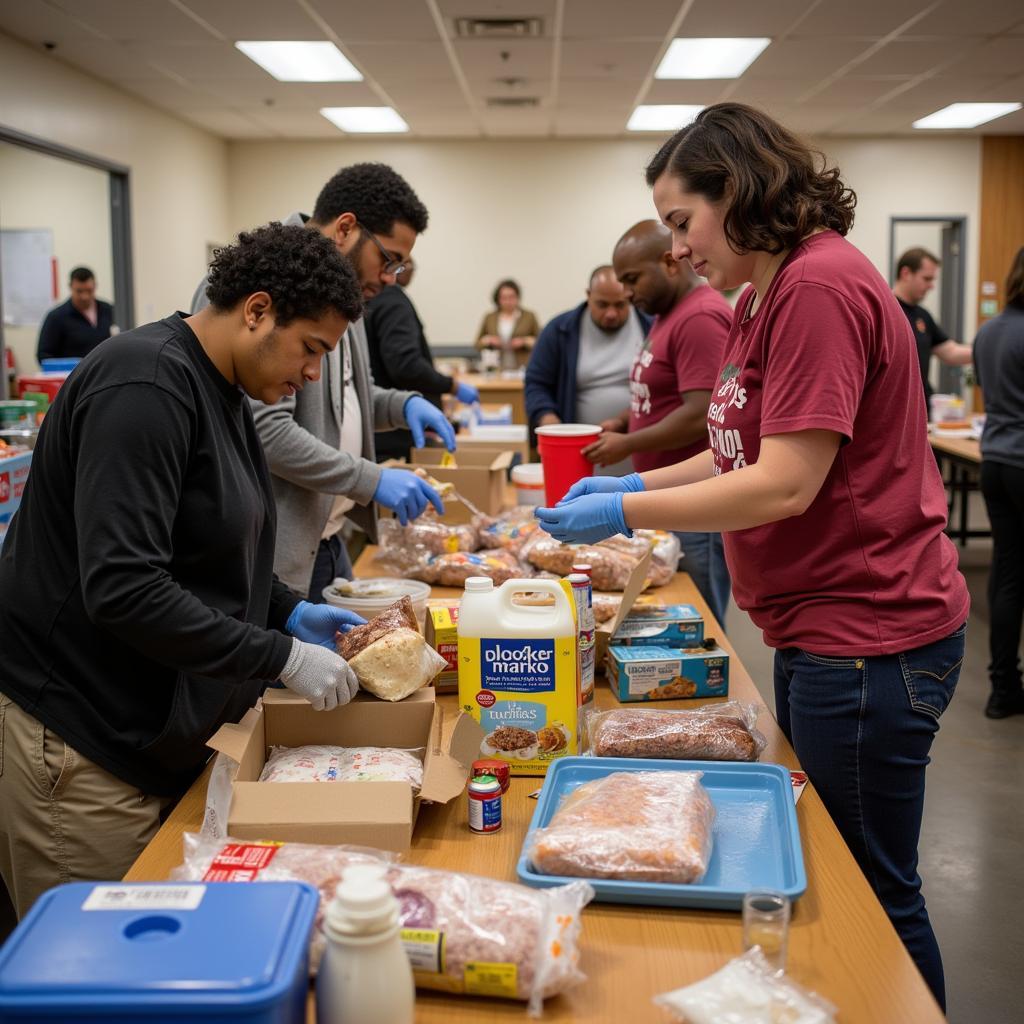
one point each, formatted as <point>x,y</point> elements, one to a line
<point>331,562</point>
<point>705,562</point>
<point>862,729</point>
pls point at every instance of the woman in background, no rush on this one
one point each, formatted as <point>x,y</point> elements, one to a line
<point>509,327</point>
<point>999,361</point>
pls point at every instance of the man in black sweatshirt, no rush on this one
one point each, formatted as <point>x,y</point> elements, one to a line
<point>138,606</point>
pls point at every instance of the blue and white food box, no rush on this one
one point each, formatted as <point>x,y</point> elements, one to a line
<point>667,673</point>
<point>676,625</point>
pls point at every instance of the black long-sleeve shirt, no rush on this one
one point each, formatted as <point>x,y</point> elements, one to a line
<point>136,578</point>
<point>67,333</point>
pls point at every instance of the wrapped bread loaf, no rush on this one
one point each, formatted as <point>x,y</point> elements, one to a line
<point>632,826</point>
<point>721,732</point>
<point>389,655</point>
<point>452,570</point>
<point>324,763</point>
<point>610,564</point>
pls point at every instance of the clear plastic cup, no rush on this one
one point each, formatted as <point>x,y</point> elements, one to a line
<point>766,924</point>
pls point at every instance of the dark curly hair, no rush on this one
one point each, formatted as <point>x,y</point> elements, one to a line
<point>507,283</point>
<point>376,194</point>
<point>777,189</point>
<point>301,270</point>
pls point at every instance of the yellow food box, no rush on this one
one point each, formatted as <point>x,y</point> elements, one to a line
<point>442,633</point>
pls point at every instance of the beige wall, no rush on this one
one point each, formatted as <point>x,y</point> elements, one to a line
<point>179,181</point>
<point>546,212</point>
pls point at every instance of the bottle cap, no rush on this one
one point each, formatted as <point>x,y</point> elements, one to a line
<point>477,583</point>
<point>363,901</point>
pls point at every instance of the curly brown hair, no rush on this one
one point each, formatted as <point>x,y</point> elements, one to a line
<point>777,188</point>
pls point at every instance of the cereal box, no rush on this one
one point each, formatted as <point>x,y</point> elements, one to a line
<point>442,633</point>
<point>665,673</point>
<point>676,625</point>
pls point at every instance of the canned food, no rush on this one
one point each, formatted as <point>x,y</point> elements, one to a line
<point>492,766</point>
<point>484,804</point>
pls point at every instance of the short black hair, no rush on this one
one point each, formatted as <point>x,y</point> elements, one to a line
<point>301,270</point>
<point>913,260</point>
<point>376,194</point>
<point>507,283</point>
<point>81,274</point>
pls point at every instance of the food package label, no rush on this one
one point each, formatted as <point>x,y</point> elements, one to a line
<point>425,948</point>
<point>663,673</point>
<point>678,625</point>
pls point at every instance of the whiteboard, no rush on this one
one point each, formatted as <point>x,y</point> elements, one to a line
<point>26,267</point>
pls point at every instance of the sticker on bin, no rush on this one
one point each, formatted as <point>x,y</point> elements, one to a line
<point>144,897</point>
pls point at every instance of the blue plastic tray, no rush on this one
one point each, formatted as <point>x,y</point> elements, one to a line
<point>756,837</point>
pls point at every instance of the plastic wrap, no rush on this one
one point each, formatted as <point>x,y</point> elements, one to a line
<point>717,732</point>
<point>509,531</point>
<point>747,991</point>
<point>320,763</point>
<point>453,570</point>
<point>610,561</point>
<point>428,535</point>
<point>527,938</point>
<point>665,553</point>
<point>632,826</point>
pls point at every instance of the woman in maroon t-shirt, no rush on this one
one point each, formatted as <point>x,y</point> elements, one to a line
<point>819,476</point>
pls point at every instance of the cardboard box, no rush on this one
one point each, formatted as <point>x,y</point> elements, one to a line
<point>486,441</point>
<point>441,631</point>
<point>378,814</point>
<point>675,625</point>
<point>633,589</point>
<point>479,476</point>
<point>665,673</point>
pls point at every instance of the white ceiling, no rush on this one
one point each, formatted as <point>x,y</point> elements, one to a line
<point>833,67</point>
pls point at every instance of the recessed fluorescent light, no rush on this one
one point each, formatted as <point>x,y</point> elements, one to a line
<point>365,119</point>
<point>662,117</point>
<point>710,58</point>
<point>966,115</point>
<point>302,62</point>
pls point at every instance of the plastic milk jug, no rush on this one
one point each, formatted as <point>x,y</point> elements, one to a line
<point>518,671</point>
<point>365,976</point>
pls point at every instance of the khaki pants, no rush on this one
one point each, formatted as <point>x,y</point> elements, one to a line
<point>62,818</point>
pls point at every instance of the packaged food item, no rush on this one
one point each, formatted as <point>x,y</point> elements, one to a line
<point>484,792</point>
<point>632,826</point>
<point>491,766</point>
<point>583,595</point>
<point>718,732</point>
<point>321,763</point>
<point>442,633</point>
<point>462,933</point>
<point>665,673</point>
<point>675,625</point>
<point>665,554</point>
<point>747,991</point>
<point>389,655</point>
<point>611,561</point>
<point>452,570</point>
<point>510,530</point>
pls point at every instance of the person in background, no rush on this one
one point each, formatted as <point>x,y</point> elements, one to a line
<point>916,272</point>
<point>999,361</point>
<point>508,327</point>
<point>671,381</point>
<point>400,358</point>
<point>820,476</point>
<point>147,532</point>
<point>319,440</point>
<point>579,369</point>
<point>74,328</point>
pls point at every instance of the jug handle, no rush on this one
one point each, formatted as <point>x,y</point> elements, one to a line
<point>509,589</point>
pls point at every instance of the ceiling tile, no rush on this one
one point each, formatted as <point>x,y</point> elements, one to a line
<point>852,92</point>
<point>210,59</point>
<point>243,19</point>
<point>705,92</point>
<point>126,20</point>
<point>289,95</point>
<point>404,21</point>
<point>443,94</point>
<point>875,18</point>
<point>741,18</point>
<point>171,95</point>
<point>595,92</point>
<point>544,9</point>
<point>577,120</point>
<point>612,19</point>
<point>293,124</point>
<point>940,91</point>
<point>111,61</point>
<point>483,60</point>
<point>227,123</point>
<point>1003,56</point>
<point>37,23</point>
<point>806,59</point>
<point>402,61</point>
<point>904,58</point>
<point>600,59</point>
<point>987,17</point>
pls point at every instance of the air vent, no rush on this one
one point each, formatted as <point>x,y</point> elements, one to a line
<point>513,101</point>
<point>498,28</point>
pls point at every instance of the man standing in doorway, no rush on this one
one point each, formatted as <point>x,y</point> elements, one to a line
<point>916,272</point>
<point>671,382</point>
<point>74,328</point>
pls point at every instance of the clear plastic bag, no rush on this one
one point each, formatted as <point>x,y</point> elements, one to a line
<point>322,763</point>
<point>452,570</point>
<point>509,531</point>
<point>611,561</point>
<point>665,553</point>
<point>632,826</point>
<point>218,798</point>
<point>459,920</point>
<point>716,732</point>
<point>747,991</point>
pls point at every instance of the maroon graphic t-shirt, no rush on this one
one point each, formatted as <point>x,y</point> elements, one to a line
<point>867,569</point>
<point>683,353</point>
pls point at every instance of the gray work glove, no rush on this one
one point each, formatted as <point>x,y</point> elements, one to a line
<point>321,676</point>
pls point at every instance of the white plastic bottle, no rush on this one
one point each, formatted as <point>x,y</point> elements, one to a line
<point>365,976</point>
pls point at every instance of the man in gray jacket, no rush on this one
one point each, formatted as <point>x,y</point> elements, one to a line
<point>319,441</point>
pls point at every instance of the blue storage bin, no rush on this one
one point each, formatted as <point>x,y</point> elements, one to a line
<point>59,365</point>
<point>99,953</point>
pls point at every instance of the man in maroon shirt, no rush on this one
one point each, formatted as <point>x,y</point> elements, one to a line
<point>671,382</point>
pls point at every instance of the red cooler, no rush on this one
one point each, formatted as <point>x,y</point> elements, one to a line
<point>561,453</point>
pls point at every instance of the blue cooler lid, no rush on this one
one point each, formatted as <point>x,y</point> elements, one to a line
<point>62,365</point>
<point>158,945</point>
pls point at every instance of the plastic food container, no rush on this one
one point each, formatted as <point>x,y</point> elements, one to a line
<point>528,479</point>
<point>157,953</point>
<point>561,452</point>
<point>370,597</point>
<point>16,413</point>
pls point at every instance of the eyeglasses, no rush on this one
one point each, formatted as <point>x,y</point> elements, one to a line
<point>392,265</point>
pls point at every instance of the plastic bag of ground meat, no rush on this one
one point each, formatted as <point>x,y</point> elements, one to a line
<point>716,732</point>
<point>453,924</point>
<point>320,763</point>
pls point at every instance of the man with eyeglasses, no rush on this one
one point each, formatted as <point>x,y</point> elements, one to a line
<point>319,441</point>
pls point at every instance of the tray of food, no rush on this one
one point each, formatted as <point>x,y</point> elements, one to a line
<point>666,833</point>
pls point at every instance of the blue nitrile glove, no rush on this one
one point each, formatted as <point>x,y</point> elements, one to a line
<point>466,393</point>
<point>604,485</point>
<point>585,520</point>
<point>318,623</point>
<point>406,494</point>
<point>420,415</point>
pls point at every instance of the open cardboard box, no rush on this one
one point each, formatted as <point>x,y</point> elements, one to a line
<point>633,589</point>
<point>479,476</point>
<point>378,814</point>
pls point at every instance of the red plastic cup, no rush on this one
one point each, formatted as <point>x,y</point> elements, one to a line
<point>561,453</point>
